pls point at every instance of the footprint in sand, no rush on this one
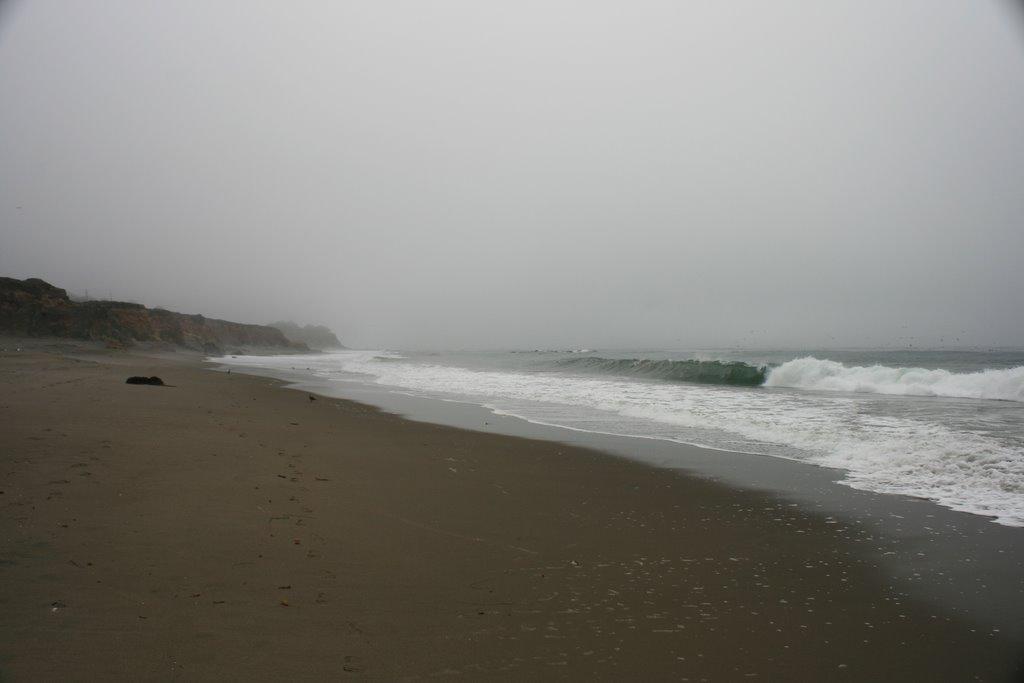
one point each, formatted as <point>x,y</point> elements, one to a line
<point>351,664</point>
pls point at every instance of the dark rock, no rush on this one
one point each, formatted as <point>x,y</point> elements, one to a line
<point>153,381</point>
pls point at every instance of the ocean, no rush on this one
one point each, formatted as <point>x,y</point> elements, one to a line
<point>947,426</point>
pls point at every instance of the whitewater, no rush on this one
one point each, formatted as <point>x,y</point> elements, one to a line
<point>826,375</point>
<point>953,435</point>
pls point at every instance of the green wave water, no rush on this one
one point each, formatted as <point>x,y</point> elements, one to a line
<point>733,373</point>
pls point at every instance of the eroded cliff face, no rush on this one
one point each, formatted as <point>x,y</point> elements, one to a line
<point>36,308</point>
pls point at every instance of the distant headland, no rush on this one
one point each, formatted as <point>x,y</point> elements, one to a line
<point>317,337</point>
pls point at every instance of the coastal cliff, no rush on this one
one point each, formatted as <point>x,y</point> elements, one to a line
<point>35,308</point>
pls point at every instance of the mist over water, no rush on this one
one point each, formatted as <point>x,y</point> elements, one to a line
<point>458,174</point>
<point>952,432</point>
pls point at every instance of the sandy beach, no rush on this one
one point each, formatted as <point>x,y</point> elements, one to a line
<point>227,528</point>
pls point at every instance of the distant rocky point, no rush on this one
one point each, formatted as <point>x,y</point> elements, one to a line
<point>35,308</point>
<point>314,336</point>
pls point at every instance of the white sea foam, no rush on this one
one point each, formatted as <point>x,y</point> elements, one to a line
<point>961,468</point>
<point>827,375</point>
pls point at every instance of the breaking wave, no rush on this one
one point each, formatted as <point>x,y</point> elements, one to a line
<point>732,373</point>
<point>827,375</point>
<point>1006,384</point>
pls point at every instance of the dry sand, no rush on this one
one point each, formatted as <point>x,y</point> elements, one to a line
<point>226,528</point>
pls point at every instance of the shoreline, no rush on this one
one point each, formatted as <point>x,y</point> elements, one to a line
<point>223,528</point>
<point>921,544</point>
<point>960,453</point>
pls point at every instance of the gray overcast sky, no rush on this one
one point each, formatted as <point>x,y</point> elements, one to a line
<point>483,174</point>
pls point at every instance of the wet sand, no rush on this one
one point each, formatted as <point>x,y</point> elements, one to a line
<point>226,528</point>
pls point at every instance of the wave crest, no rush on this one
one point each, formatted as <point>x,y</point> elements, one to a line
<point>828,375</point>
<point>732,373</point>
